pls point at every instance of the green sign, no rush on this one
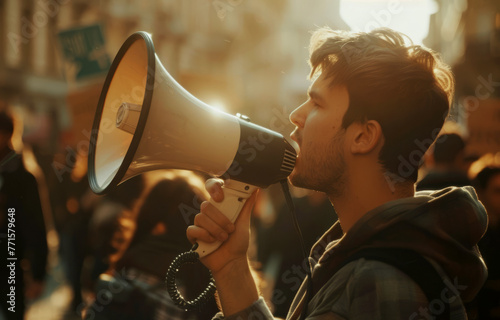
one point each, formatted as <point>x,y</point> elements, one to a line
<point>83,47</point>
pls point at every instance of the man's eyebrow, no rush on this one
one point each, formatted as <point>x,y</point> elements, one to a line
<point>315,95</point>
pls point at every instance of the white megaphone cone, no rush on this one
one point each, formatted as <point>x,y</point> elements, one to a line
<point>146,121</point>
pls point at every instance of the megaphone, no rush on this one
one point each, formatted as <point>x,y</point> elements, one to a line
<point>146,121</point>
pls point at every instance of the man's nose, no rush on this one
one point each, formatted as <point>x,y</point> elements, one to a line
<point>297,117</point>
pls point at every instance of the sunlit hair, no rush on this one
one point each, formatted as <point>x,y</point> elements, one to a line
<point>404,87</point>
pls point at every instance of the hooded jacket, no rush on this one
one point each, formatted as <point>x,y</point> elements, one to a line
<point>443,226</point>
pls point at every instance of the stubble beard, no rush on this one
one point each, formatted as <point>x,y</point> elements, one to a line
<point>325,172</point>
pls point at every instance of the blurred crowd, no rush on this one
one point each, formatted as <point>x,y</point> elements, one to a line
<point>114,250</point>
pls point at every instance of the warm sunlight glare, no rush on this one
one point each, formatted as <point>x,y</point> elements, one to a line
<point>408,16</point>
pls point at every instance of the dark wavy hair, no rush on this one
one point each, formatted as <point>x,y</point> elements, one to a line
<point>172,202</point>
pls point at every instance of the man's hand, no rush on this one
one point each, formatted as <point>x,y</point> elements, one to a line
<point>211,225</point>
<point>229,265</point>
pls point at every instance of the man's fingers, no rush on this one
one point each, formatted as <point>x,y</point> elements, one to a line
<point>218,217</point>
<point>211,225</point>
<point>195,233</point>
<point>202,220</point>
<point>214,188</point>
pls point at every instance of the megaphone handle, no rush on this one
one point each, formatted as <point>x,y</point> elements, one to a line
<point>235,195</point>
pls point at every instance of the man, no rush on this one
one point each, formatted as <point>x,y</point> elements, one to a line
<point>22,228</point>
<point>374,107</point>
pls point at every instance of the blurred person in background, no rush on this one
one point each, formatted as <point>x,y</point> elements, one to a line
<point>146,245</point>
<point>21,216</point>
<point>106,219</point>
<point>73,233</point>
<point>486,178</point>
<point>446,163</point>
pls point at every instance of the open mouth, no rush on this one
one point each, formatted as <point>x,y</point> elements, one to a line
<point>294,143</point>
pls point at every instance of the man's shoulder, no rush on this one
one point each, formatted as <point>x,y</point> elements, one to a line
<point>382,280</point>
<point>374,289</point>
<point>373,277</point>
<point>371,289</point>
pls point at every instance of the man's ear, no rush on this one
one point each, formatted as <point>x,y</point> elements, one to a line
<point>366,137</point>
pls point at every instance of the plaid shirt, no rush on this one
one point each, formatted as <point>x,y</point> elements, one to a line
<point>443,226</point>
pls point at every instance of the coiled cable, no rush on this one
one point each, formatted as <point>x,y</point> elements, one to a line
<point>197,304</point>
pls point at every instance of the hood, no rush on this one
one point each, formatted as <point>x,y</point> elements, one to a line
<point>443,225</point>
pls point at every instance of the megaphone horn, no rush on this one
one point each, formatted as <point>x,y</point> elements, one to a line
<point>145,121</point>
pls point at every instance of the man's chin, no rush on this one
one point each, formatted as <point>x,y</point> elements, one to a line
<point>297,180</point>
<point>300,181</point>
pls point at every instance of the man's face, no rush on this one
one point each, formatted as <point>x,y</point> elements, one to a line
<point>320,162</point>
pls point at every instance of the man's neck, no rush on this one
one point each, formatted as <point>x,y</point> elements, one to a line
<point>360,198</point>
